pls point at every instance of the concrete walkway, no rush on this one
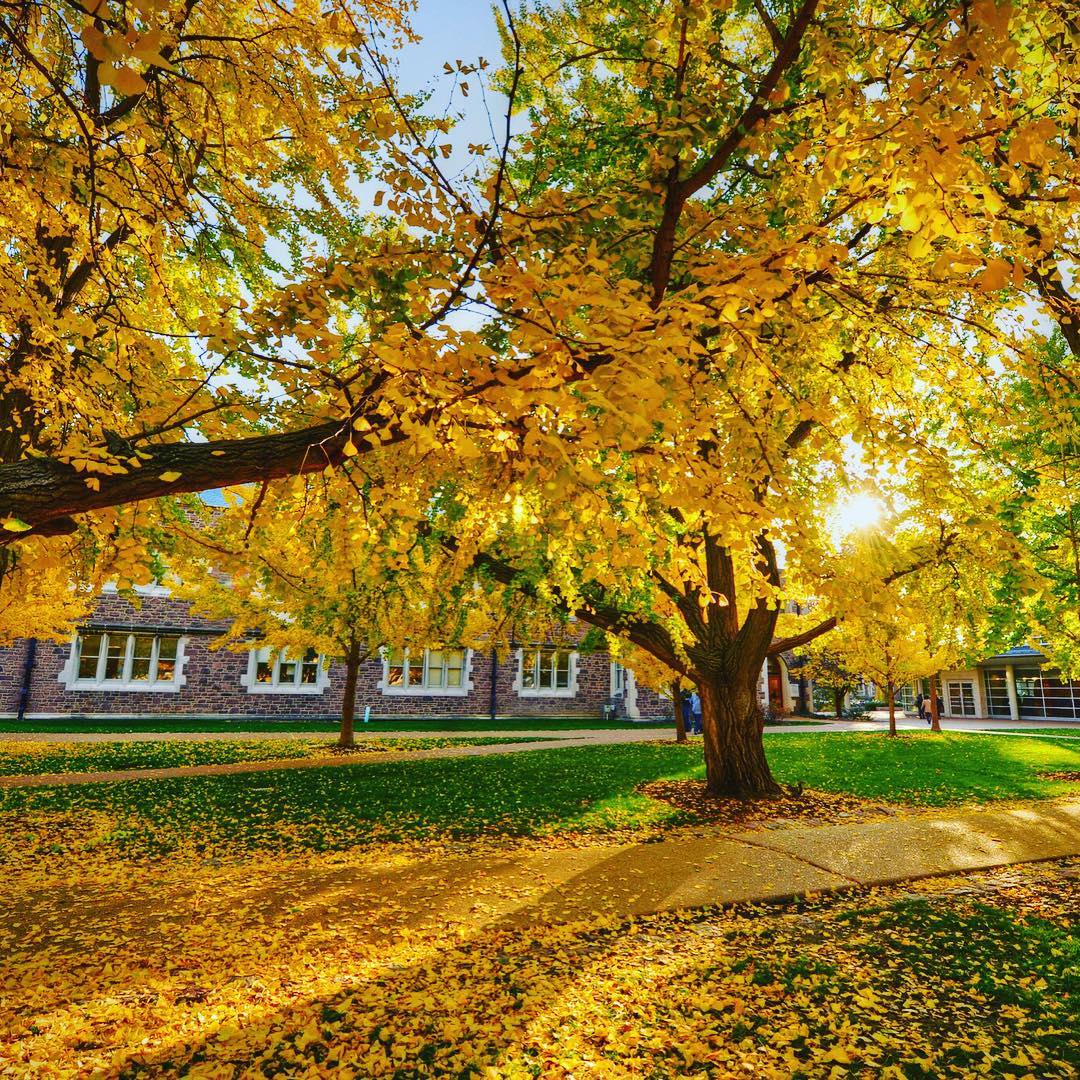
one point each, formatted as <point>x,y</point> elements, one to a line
<point>770,864</point>
<point>485,886</point>
<point>318,761</point>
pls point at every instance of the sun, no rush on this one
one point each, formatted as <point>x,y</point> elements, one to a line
<point>859,512</point>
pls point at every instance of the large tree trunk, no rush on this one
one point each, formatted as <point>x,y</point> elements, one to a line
<point>680,720</point>
<point>935,707</point>
<point>346,739</point>
<point>735,763</point>
<point>892,710</point>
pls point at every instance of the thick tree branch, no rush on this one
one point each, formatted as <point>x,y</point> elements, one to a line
<point>46,493</point>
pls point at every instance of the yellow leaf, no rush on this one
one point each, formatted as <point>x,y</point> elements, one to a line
<point>15,525</point>
<point>996,276</point>
<point>170,476</point>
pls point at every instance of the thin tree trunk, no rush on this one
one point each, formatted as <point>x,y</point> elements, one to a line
<point>735,763</point>
<point>680,720</point>
<point>346,739</point>
<point>892,710</point>
<point>935,706</point>
<point>803,707</point>
<point>838,703</point>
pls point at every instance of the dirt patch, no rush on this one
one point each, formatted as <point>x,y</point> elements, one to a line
<point>1065,777</point>
<point>805,808</point>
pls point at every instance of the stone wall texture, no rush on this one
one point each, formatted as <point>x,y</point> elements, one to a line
<point>212,680</point>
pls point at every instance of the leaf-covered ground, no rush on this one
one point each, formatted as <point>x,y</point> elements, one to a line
<point>38,758</point>
<point>972,976</point>
<point>540,792</point>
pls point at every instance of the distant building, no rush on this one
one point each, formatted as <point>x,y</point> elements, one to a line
<point>153,657</point>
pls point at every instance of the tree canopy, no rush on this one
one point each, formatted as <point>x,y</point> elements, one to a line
<point>736,261</point>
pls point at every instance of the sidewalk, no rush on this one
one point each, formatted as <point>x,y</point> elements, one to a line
<point>421,891</point>
<point>328,760</point>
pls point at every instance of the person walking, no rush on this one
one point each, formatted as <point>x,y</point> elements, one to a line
<point>919,705</point>
<point>695,711</point>
<point>687,713</point>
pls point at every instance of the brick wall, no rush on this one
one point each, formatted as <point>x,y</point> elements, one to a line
<point>212,680</point>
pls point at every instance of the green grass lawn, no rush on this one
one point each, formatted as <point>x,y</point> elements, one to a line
<point>1073,731</point>
<point>480,723</point>
<point>331,808</point>
<point>30,758</point>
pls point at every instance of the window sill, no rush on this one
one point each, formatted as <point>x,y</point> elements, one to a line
<point>568,692</point>
<point>307,688</point>
<point>126,687</point>
<point>425,691</point>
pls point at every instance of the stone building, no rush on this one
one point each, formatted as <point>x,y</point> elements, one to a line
<point>152,657</point>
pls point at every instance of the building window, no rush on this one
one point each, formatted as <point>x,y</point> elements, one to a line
<point>277,671</point>
<point>996,685</point>
<point>1043,695</point>
<point>548,672</point>
<point>432,672</point>
<point>618,679</point>
<point>111,660</point>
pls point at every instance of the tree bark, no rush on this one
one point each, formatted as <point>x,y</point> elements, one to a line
<point>680,720</point>
<point>346,738</point>
<point>935,706</point>
<point>838,704</point>
<point>733,723</point>
<point>892,710</point>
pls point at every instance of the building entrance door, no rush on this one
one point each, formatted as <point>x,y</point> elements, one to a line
<point>776,689</point>
<point>962,698</point>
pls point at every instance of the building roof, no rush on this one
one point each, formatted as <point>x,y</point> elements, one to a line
<point>1019,652</point>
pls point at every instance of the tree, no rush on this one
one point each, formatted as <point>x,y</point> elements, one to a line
<point>824,666</point>
<point>1040,504</point>
<point>725,230</point>
<point>315,574</point>
<point>888,650</point>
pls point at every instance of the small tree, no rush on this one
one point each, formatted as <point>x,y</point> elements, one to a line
<point>319,573</point>
<point>889,649</point>
<point>824,667</point>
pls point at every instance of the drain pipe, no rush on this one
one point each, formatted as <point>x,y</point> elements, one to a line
<point>494,684</point>
<point>28,674</point>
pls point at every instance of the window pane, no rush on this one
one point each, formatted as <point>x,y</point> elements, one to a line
<point>547,669</point>
<point>115,651</point>
<point>435,668</point>
<point>287,670</point>
<point>395,675</point>
<point>530,660</point>
<point>140,657</point>
<point>997,693</point>
<point>562,669</point>
<point>264,667</point>
<point>89,651</point>
<point>455,667</point>
<point>309,669</point>
<point>166,660</point>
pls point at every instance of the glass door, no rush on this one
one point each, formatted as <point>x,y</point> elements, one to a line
<point>962,698</point>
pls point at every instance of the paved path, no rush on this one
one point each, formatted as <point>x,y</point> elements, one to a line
<point>273,764</point>
<point>421,891</point>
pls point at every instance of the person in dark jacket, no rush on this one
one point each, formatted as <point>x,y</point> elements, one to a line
<point>695,711</point>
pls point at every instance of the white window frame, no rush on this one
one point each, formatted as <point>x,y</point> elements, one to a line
<point>69,673</point>
<point>251,681</point>
<point>543,691</point>
<point>422,689</point>
<point>618,679</point>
